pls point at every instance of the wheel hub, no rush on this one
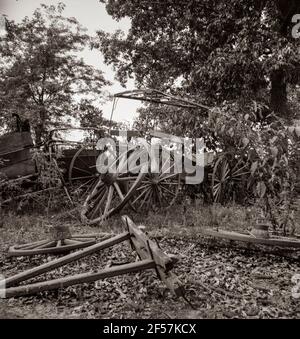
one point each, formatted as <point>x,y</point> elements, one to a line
<point>109,178</point>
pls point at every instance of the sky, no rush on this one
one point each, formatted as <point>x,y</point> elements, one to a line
<point>92,15</point>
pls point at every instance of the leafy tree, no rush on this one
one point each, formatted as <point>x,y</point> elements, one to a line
<point>92,117</point>
<point>42,77</point>
<point>238,57</point>
<point>213,50</point>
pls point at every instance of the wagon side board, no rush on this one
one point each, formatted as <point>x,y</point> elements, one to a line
<point>15,152</point>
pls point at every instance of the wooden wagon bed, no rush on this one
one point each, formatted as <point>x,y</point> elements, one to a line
<point>15,155</point>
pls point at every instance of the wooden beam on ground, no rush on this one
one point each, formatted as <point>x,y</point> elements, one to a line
<point>147,249</point>
<point>235,236</point>
<point>65,260</point>
<point>77,279</point>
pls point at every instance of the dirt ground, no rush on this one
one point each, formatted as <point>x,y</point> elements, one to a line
<point>220,280</point>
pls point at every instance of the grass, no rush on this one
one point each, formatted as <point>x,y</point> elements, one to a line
<point>180,219</point>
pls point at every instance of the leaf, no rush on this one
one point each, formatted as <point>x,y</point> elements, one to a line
<point>261,189</point>
<point>245,141</point>
<point>274,151</point>
<point>254,168</point>
<point>272,141</point>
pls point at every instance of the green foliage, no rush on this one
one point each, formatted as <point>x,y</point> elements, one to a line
<point>41,74</point>
<point>91,117</point>
<point>214,50</point>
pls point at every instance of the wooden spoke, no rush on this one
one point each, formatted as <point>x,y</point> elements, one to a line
<point>32,245</point>
<point>47,245</point>
<point>168,171</point>
<point>81,170</point>
<point>71,242</point>
<point>118,189</point>
<point>50,247</point>
<point>82,239</point>
<point>146,196</point>
<point>83,162</point>
<point>168,191</point>
<point>89,178</point>
<point>140,196</point>
<point>144,186</point>
<point>109,200</point>
<point>102,197</point>
<point>171,176</point>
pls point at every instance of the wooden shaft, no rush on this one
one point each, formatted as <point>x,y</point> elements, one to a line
<point>31,245</point>
<point>104,236</point>
<point>65,259</point>
<point>78,279</point>
<point>280,242</point>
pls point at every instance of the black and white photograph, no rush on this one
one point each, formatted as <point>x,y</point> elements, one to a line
<point>149,162</point>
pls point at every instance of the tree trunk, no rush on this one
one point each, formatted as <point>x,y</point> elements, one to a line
<point>279,101</point>
<point>40,128</point>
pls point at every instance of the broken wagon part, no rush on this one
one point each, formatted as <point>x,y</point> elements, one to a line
<point>272,240</point>
<point>158,97</point>
<point>152,257</point>
<point>20,165</point>
<point>60,241</point>
<point>15,151</point>
<point>163,263</point>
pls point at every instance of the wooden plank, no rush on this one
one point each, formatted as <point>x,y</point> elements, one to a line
<point>235,236</point>
<point>25,168</point>
<point>15,141</point>
<point>31,273</point>
<point>147,249</point>
<point>15,157</point>
<point>77,279</point>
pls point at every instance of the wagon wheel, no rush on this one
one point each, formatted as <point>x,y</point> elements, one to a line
<point>158,190</point>
<point>82,173</point>
<point>112,191</point>
<point>224,177</point>
<point>50,246</point>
